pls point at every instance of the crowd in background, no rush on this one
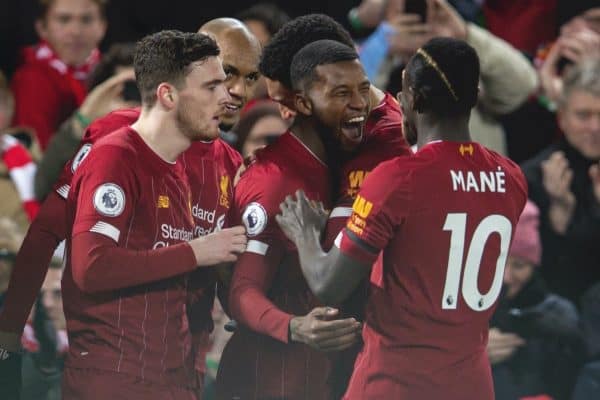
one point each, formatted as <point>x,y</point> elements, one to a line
<point>539,104</point>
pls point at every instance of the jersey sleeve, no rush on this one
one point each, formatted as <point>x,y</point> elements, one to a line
<point>377,211</point>
<point>105,199</point>
<point>107,193</point>
<point>256,204</point>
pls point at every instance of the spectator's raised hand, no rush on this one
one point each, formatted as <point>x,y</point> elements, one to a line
<point>107,96</point>
<point>550,78</point>
<point>594,172</point>
<point>557,177</point>
<point>444,20</point>
<point>410,33</point>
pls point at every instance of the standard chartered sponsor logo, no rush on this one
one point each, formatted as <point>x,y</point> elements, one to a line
<point>202,214</point>
<point>170,233</point>
<point>202,231</point>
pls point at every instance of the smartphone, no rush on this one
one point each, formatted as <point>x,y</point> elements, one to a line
<point>418,7</point>
<point>131,92</point>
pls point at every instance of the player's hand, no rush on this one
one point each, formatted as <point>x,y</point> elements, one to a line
<point>501,346</point>
<point>319,330</point>
<point>557,178</point>
<point>10,365</point>
<point>594,172</point>
<point>219,247</point>
<point>301,217</point>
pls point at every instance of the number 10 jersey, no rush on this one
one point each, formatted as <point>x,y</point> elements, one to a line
<point>444,219</point>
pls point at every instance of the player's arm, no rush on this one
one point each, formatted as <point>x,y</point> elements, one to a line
<point>335,274</point>
<point>45,233</point>
<point>332,275</point>
<point>101,262</point>
<point>252,280</point>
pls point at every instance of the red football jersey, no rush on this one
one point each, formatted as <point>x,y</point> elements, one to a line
<point>383,140</point>
<point>444,220</point>
<point>268,287</point>
<point>97,130</point>
<point>125,192</point>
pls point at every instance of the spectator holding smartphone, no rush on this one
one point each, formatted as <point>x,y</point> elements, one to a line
<point>112,86</point>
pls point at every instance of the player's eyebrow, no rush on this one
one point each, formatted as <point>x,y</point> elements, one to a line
<point>231,69</point>
<point>213,82</point>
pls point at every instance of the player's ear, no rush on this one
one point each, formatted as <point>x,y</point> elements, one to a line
<point>302,104</point>
<point>166,95</point>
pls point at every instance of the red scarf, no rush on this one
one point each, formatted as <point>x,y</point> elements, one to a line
<point>21,169</point>
<point>43,53</point>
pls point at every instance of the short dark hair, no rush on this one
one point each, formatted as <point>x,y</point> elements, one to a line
<point>445,75</point>
<point>278,54</point>
<point>321,52</point>
<point>165,57</point>
<point>118,55</point>
<point>269,14</point>
<point>44,6</point>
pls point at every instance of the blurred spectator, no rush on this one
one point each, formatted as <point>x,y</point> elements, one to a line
<point>17,168</point>
<point>588,383</point>
<point>10,241</point>
<point>533,126</point>
<point>50,82</point>
<point>112,86</point>
<point>532,22</point>
<point>507,77</point>
<point>534,341</point>
<point>258,127</point>
<point>45,342</point>
<point>564,181</point>
<point>263,20</point>
<point>579,40</point>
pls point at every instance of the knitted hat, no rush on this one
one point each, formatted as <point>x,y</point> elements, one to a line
<point>526,243</point>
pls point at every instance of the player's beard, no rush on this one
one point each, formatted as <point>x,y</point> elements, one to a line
<point>189,125</point>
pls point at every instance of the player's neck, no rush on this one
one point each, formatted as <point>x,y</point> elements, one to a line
<point>304,130</point>
<point>451,129</point>
<point>161,135</point>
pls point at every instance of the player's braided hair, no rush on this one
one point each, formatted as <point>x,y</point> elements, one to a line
<point>165,57</point>
<point>278,54</point>
<point>444,74</point>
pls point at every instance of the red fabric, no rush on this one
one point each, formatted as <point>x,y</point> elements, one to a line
<point>16,156</point>
<point>21,169</point>
<point>32,207</point>
<point>92,384</point>
<point>268,289</point>
<point>532,22</point>
<point>383,140</point>
<point>138,330</point>
<point>47,91</point>
<point>423,338</point>
<point>45,233</point>
<point>98,263</point>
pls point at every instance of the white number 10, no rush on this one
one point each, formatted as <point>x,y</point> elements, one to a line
<point>456,224</point>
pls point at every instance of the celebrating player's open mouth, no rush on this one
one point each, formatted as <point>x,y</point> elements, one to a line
<point>353,127</point>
